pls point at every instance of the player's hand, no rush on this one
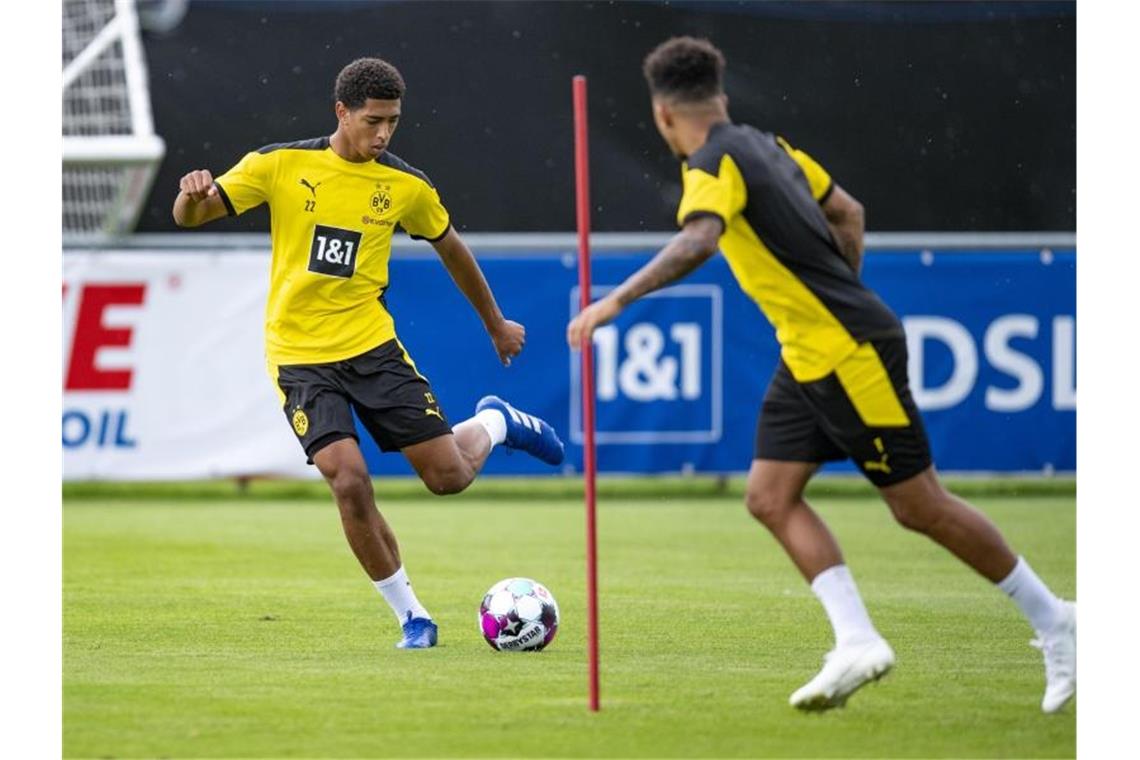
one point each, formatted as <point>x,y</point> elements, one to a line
<point>509,338</point>
<point>198,184</point>
<point>589,319</point>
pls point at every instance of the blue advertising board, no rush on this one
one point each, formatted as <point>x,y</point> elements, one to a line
<point>681,374</point>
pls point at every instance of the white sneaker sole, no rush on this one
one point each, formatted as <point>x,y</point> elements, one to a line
<point>820,702</point>
<point>1049,708</point>
<point>1054,703</point>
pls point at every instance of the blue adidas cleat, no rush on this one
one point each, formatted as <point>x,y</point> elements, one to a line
<point>419,633</point>
<point>527,432</point>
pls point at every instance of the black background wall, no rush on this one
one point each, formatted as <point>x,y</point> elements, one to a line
<point>938,116</point>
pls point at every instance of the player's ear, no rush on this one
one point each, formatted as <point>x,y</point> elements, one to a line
<point>341,111</point>
<point>662,113</point>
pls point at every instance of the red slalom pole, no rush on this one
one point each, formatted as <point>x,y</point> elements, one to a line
<point>589,456</point>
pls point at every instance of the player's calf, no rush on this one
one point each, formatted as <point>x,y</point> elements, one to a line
<point>441,465</point>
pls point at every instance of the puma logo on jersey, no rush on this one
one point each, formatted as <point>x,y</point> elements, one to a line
<point>312,188</point>
<point>880,465</point>
<point>433,411</point>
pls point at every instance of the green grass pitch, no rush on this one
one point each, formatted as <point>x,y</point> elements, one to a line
<point>238,627</point>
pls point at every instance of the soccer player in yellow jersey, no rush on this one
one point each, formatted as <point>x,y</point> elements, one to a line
<point>794,241</point>
<point>330,341</point>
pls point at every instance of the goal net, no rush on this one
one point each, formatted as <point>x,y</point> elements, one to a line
<point>110,150</point>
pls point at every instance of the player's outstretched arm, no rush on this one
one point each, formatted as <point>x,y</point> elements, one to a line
<point>688,249</point>
<point>507,336</point>
<point>845,217</point>
<point>198,200</point>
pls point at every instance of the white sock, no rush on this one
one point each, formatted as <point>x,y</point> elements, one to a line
<point>397,591</point>
<point>1039,605</point>
<point>840,598</point>
<point>494,423</point>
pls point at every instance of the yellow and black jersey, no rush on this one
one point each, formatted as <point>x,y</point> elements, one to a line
<point>779,247</point>
<point>331,224</point>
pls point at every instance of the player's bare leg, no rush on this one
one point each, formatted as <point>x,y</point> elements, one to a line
<point>372,540</point>
<point>447,464</point>
<point>775,498</point>
<point>923,505</point>
<point>473,442</point>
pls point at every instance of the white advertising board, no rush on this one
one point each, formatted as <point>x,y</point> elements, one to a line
<point>164,369</point>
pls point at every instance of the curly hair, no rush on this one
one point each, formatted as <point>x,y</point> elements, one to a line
<point>367,78</point>
<point>686,69</point>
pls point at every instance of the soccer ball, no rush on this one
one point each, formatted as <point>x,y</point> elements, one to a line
<point>518,615</point>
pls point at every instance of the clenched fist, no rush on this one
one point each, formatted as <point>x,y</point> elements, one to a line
<point>592,317</point>
<point>509,338</point>
<point>198,184</point>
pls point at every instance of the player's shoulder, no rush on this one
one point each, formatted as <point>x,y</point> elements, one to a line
<point>742,142</point>
<point>268,157</point>
<point>315,143</point>
<point>392,161</point>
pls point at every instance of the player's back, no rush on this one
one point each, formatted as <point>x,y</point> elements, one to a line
<point>779,246</point>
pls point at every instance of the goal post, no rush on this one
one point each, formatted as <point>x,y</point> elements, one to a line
<point>110,150</point>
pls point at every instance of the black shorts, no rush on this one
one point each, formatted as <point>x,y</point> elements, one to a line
<point>863,411</point>
<point>394,401</point>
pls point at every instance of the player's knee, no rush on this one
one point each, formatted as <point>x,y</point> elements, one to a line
<point>768,506</point>
<point>448,479</point>
<point>912,514</point>
<point>918,504</point>
<point>352,489</point>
